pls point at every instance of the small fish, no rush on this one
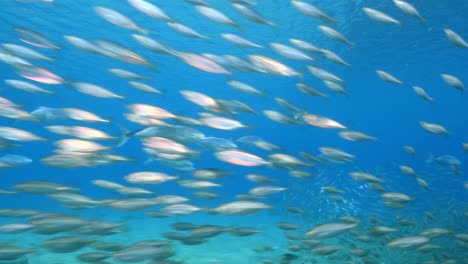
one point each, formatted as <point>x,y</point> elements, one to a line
<point>95,90</point>
<point>268,65</point>
<point>365,177</point>
<point>240,158</point>
<point>252,15</point>
<point>39,75</point>
<point>240,208</point>
<point>82,44</point>
<point>290,52</point>
<point>356,136</point>
<point>144,87</point>
<point>34,38</point>
<point>380,16</point>
<point>243,87</point>
<point>434,128</point>
<point>334,34</point>
<point>15,134</point>
<point>411,242</point>
<point>307,89</point>
<point>202,63</point>
<point>330,230</point>
<point>215,15</point>
<point>150,9</point>
<point>24,52</point>
<point>222,123</point>
<point>305,46</point>
<point>408,9</point>
<point>330,55</point>
<point>422,93</point>
<point>324,75</point>
<point>240,41</point>
<point>455,38</point>
<point>125,74</point>
<point>312,11</point>
<point>153,45</point>
<point>27,87</point>
<point>117,18</point>
<point>185,30</point>
<point>388,77</point>
<point>453,81</point>
<point>148,177</point>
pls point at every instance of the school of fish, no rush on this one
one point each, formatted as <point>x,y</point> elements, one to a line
<point>206,163</point>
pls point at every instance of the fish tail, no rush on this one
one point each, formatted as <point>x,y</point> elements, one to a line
<point>125,135</point>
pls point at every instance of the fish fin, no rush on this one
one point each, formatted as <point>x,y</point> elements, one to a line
<point>125,135</point>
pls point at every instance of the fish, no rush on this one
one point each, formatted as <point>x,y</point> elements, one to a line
<point>334,34</point>
<point>186,31</point>
<point>215,15</point>
<point>34,38</point>
<point>455,39</point>
<point>240,41</point>
<point>388,77</point>
<point>410,242</point>
<point>150,9</point>
<point>24,52</point>
<point>380,16</point>
<point>422,93</point>
<point>240,208</point>
<point>433,128</point>
<point>114,17</point>
<point>202,63</point>
<point>408,9</point>
<point>330,230</point>
<point>290,52</point>
<point>312,11</point>
<point>252,15</point>
<point>453,81</point>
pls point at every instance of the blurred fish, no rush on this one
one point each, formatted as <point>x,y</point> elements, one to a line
<point>356,136</point>
<point>312,11</point>
<point>34,38</point>
<point>185,30</point>
<point>455,38</point>
<point>330,230</point>
<point>334,34</point>
<point>433,128</point>
<point>388,77</point>
<point>215,15</point>
<point>201,63</point>
<point>290,52</point>
<point>411,242</point>
<point>15,134</point>
<point>12,160</point>
<point>66,244</point>
<point>82,44</point>
<point>408,9</point>
<point>422,93</point>
<point>251,14</point>
<point>268,65</point>
<point>240,41</point>
<point>453,81</point>
<point>380,16</point>
<point>240,208</point>
<point>149,9</point>
<point>117,18</point>
<point>125,74</point>
<point>39,75</point>
<point>24,52</point>
<point>154,45</point>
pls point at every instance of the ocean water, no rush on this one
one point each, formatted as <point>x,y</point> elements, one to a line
<point>415,52</point>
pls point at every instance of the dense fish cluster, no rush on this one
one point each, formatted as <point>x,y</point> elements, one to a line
<point>237,131</point>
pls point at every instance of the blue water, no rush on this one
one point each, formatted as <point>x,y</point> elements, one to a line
<point>416,53</point>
